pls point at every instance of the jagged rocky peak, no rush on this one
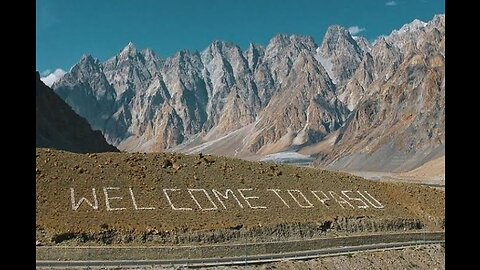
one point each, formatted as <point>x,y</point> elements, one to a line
<point>87,91</point>
<point>124,57</point>
<point>184,61</point>
<point>277,61</point>
<point>86,69</point>
<point>281,52</point>
<point>400,118</point>
<point>279,39</point>
<point>183,71</point>
<point>387,58</point>
<point>410,36</point>
<point>290,93</point>
<point>301,106</point>
<point>182,74</point>
<point>437,27</point>
<point>152,61</point>
<point>87,62</point>
<point>130,56</point>
<point>255,48</point>
<point>363,43</point>
<point>339,54</point>
<point>438,20</point>
<point>130,46</point>
<point>230,84</point>
<point>415,25</point>
<point>356,86</point>
<point>220,51</point>
<point>286,39</point>
<point>86,58</point>
<point>382,39</point>
<point>294,43</point>
<point>338,38</point>
<point>131,70</point>
<point>129,50</point>
<point>149,54</point>
<point>307,40</point>
<point>215,55</point>
<point>225,63</point>
<point>380,44</point>
<point>219,45</point>
<point>254,54</point>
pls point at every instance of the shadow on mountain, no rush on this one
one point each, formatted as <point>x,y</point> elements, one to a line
<point>59,127</point>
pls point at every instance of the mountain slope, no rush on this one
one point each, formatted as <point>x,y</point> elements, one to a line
<point>287,96</point>
<point>58,126</point>
<point>149,104</point>
<point>138,196</point>
<point>400,122</point>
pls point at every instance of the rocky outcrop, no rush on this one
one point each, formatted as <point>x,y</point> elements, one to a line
<point>58,126</point>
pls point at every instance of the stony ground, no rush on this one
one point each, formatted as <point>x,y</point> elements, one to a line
<point>432,257</point>
<point>148,174</point>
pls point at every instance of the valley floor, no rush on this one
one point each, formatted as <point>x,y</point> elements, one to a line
<point>431,173</point>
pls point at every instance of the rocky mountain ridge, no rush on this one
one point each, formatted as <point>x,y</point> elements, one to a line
<point>288,96</point>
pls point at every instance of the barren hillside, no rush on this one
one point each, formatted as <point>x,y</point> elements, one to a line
<point>160,197</point>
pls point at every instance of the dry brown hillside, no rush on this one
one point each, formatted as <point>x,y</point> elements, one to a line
<point>163,197</point>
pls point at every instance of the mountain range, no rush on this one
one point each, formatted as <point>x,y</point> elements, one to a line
<point>346,103</point>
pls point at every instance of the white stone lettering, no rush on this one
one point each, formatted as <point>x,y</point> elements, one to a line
<point>363,206</point>
<point>249,198</point>
<point>322,200</point>
<point>277,191</point>
<point>170,201</point>
<point>378,206</point>
<point>75,205</point>
<point>218,195</point>
<point>339,199</point>
<point>135,206</point>
<point>309,204</point>
<point>107,199</point>
<point>191,190</point>
<point>202,198</point>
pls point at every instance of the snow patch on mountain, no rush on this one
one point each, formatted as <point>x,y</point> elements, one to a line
<point>51,78</point>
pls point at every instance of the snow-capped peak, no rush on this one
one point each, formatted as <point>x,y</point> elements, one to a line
<point>415,25</point>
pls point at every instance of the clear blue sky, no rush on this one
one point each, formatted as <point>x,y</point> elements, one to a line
<point>66,29</point>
